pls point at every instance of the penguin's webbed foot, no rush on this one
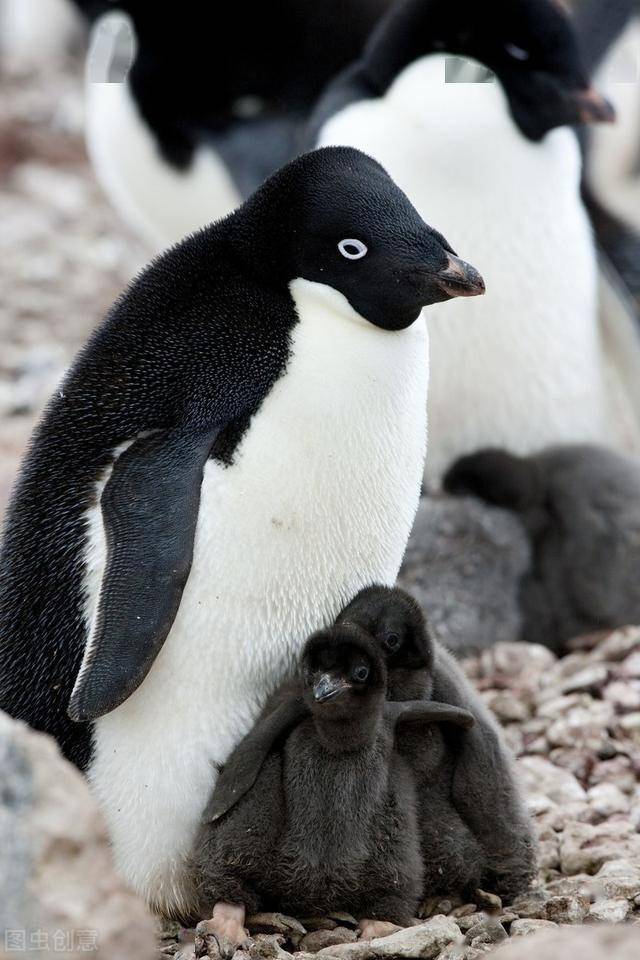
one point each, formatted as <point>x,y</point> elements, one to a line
<point>225,928</point>
<point>373,929</point>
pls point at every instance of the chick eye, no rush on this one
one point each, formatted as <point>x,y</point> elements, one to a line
<point>518,53</point>
<point>392,641</point>
<point>352,249</point>
<point>361,673</point>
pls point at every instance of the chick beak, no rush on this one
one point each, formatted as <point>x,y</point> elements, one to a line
<point>328,687</point>
<point>459,279</point>
<point>592,107</point>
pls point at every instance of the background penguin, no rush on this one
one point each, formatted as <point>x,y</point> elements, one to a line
<point>213,101</point>
<point>581,508</point>
<point>503,169</point>
<point>473,825</point>
<point>350,836</point>
<point>236,452</point>
<point>609,32</point>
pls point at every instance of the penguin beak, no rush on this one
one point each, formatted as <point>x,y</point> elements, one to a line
<point>592,107</point>
<point>459,279</point>
<point>328,687</point>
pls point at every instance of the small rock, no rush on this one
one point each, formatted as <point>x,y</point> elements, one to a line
<point>631,666</point>
<point>264,946</point>
<point>566,909</point>
<point>578,761</point>
<point>594,942</point>
<point>569,886</point>
<point>634,816</point>
<point>608,799</point>
<point>360,950</point>
<point>538,804</point>
<point>629,725</point>
<point>553,707</point>
<point>318,939</point>
<point>424,941</point>
<point>618,770</point>
<point>523,928</point>
<point>488,930</point>
<point>620,878</point>
<point>585,727</point>
<point>619,645</point>
<point>541,776</point>
<point>465,923</point>
<point>592,678</point>
<point>624,695</point>
<point>488,901</point>
<point>530,905</point>
<point>507,707</point>
<point>610,911</point>
<point>464,911</point>
<point>274,923</point>
<point>517,660</point>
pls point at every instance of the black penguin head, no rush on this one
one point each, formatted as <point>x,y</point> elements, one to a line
<point>335,217</point>
<point>498,477</point>
<point>530,45</point>
<point>396,622</point>
<point>344,682</point>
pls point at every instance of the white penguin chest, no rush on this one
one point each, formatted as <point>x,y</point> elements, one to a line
<point>520,366</point>
<point>319,502</point>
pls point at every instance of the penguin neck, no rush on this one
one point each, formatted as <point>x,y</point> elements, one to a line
<point>351,731</point>
<point>257,237</point>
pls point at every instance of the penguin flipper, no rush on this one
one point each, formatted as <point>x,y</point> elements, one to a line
<point>245,763</point>
<point>427,711</point>
<point>149,509</point>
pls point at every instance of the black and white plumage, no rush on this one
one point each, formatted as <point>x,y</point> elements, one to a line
<point>581,508</point>
<point>234,454</point>
<point>350,837</point>
<point>527,367</point>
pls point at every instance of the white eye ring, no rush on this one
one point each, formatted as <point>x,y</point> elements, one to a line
<point>346,248</point>
<point>517,52</point>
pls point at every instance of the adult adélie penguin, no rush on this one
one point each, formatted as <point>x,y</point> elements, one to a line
<point>500,163</point>
<point>234,454</point>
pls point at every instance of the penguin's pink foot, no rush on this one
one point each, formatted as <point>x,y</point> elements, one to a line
<point>372,929</point>
<point>226,928</point>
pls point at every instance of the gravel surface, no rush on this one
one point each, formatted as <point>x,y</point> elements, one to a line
<point>574,725</point>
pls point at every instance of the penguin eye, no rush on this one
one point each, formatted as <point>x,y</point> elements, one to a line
<point>518,53</point>
<point>392,642</point>
<point>361,673</point>
<point>352,249</point>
